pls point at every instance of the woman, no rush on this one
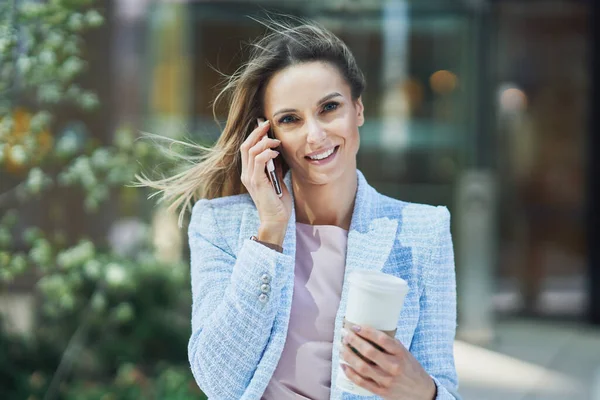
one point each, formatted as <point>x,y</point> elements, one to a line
<point>268,272</point>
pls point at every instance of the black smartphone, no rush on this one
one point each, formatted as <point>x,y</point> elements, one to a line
<point>271,166</point>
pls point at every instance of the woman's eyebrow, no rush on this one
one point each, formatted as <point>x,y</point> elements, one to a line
<point>324,99</point>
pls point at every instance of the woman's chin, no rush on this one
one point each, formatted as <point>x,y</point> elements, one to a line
<point>322,178</point>
<point>318,176</point>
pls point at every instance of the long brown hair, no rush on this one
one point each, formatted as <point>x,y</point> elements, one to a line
<point>215,171</point>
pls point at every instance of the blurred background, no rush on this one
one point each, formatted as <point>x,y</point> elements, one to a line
<point>485,106</point>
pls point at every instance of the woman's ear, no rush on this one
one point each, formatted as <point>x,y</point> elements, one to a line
<point>360,111</point>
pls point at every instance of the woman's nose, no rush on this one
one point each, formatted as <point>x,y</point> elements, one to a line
<point>316,133</point>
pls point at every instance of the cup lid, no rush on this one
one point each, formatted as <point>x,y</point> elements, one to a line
<point>377,280</point>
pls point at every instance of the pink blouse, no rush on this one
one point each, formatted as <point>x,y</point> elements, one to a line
<point>304,369</point>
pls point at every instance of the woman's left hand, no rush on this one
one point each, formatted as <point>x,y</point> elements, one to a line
<point>395,374</point>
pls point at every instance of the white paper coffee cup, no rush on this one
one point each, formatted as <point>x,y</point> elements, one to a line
<point>374,299</point>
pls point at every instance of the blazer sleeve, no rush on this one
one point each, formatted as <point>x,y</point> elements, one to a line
<point>230,324</point>
<point>433,340</point>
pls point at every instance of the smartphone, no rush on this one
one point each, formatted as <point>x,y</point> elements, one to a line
<point>271,166</point>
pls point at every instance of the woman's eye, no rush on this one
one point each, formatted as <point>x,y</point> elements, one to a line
<point>331,106</point>
<point>286,120</point>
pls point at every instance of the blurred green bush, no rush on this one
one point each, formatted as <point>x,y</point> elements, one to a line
<point>108,325</point>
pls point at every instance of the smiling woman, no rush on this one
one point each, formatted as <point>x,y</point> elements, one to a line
<point>269,271</point>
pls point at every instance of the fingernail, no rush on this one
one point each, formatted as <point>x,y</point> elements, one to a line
<point>356,328</point>
<point>344,332</point>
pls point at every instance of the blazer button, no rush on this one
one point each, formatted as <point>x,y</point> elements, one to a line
<point>263,298</point>
<point>265,287</point>
<point>265,278</point>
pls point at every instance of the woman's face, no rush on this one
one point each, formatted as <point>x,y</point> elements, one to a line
<point>312,112</point>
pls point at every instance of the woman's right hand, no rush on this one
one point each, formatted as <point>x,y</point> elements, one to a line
<point>274,211</point>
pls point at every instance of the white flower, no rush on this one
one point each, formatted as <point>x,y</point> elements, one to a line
<point>101,158</point>
<point>41,253</point>
<point>89,101</point>
<point>32,9</point>
<point>47,57</point>
<point>72,66</point>
<point>35,180</point>
<point>49,93</point>
<point>68,144</point>
<point>70,47</point>
<point>24,64</point>
<point>88,179</point>
<point>75,22</point>
<point>54,39</point>
<point>18,155</point>
<point>94,18</point>
<point>115,274</point>
<point>76,256</point>
<point>92,269</point>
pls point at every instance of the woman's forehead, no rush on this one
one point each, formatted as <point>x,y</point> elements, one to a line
<point>308,82</point>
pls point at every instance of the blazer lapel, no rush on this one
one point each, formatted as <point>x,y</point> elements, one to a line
<point>371,237</point>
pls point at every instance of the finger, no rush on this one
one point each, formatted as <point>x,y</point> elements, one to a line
<point>260,131</point>
<point>244,151</point>
<point>262,145</point>
<point>250,141</point>
<point>362,368</point>
<point>362,381</point>
<point>370,352</point>
<point>244,148</point>
<point>383,341</point>
<point>260,163</point>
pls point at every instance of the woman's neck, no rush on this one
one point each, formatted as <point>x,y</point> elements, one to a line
<point>330,204</point>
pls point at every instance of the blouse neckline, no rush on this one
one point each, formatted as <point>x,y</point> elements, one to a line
<point>322,226</point>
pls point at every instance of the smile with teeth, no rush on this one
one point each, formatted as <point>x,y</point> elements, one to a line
<point>323,155</point>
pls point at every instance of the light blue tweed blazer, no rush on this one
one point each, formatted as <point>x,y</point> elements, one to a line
<point>239,324</point>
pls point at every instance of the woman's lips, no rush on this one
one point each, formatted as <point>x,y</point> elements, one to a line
<point>324,160</point>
